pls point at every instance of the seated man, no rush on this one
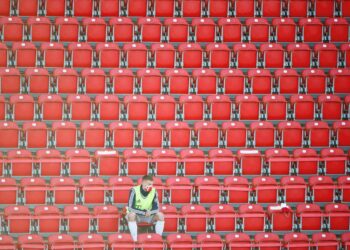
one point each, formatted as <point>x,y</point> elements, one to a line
<point>143,207</point>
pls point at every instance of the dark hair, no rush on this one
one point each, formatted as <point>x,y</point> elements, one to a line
<point>147,178</point>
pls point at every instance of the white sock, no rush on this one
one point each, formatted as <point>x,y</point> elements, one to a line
<point>133,229</point>
<point>159,227</point>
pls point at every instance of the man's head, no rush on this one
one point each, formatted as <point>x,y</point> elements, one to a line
<point>147,182</point>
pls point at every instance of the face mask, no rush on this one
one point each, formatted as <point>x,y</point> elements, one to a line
<point>148,188</point>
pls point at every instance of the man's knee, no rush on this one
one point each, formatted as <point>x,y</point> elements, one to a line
<point>131,217</point>
<point>159,216</point>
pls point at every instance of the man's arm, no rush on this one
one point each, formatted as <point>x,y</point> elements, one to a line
<point>155,205</point>
<point>132,202</point>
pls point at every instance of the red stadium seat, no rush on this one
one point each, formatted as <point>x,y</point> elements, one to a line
<point>122,80</point>
<point>193,161</point>
<point>250,161</point>
<point>192,107</point>
<point>30,241</point>
<point>334,160</point>
<point>208,189</point>
<point>260,81</point>
<point>318,133</point>
<point>94,81</point>
<point>79,107</point>
<point>178,81</point>
<point>107,162</point>
<point>233,81</point>
<point>123,29</point>
<point>303,107</point>
<point>21,162</point>
<point>330,107</point>
<point>23,107</point>
<point>164,55</point>
<point>55,8</point>
<point>78,218</point>
<point>340,79</point>
<point>237,188</point>
<point>342,132</point>
<point>230,29</point>
<point>279,161</point>
<point>180,189</point>
<point>315,81</point>
<point>191,55</point>
<point>191,8</point>
<point>66,80</point>
<point>246,55</point>
<point>35,134</point>
<point>83,8</point>
<point>310,217</point>
<point>204,29</point>
<point>325,240</point>
<point>109,8</point>
<point>40,29</point>
<point>78,162</point>
<point>178,134</point>
<point>63,190</point>
<point>238,241</point>
<point>53,54</point>
<point>176,29</point>
<point>324,8</point>
<point>122,134</point>
<point>91,240</point>
<point>322,188</point>
<point>307,161</point>
<point>24,54</point>
<point>253,217</point>
<point>223,161</point>
<point>268,240</point>
<point>338,216</point>
<point>296,240</point>
<point>81,55</point>
<point>288,81</point>
<point>38,80</point>
<point>50,162</point>
<point>164,107</point>
<point>285,29</point>
<point>150,29</point>
<point>223,217</point>
<point>151,241</point>
<point>290,133</point>
<point>150,81</point>
<point>64,134</point>
<point>345,240</point>
<point>195,218</point>
<point>311,29</point>
<point>136,55</point>
<point>294,188</point>
<point>205,81</point>
<point>10,134</point>
<point>337,29</point>
<point>136,107</point>
<point>299,55</point>
<point>93,134</point>
<point>150,134</point>
<point>266,189</point>
<point>343,185</point>
<point>273,55</point>
<point>248,107</point>
<point>10,80</point>
<point>220,107</point>
<point>18,219</point>
<point>180,240</point>
<point>275,107</point>
<point>219,8</point>
<point>258,29</point>
<point>164,8</point>
<point>108,55</point>
<point>67,29</point>
<point>263,134</point>
<point>8,191</point>
<point>326,55</point>
<point>92,190</point>
<point>208,241</point>
<point>136,161</point>
<point>120,187</point>
<point>271,8</point>
<point>5,11</point>
<point>108,107</point>
<point>7,242</point>
<point>95,29</point>
<point>117,240</point>
<point>107,218</point>
<point>219,55</point>
<point>12,28</point>
<point>49,218</point>
<point>162,167</point>
<point>345,50</point>
<point>244,8</point>
<point>137,8</point>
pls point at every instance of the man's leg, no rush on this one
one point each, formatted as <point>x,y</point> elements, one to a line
<point>131,217</point>
<point>158,218</point>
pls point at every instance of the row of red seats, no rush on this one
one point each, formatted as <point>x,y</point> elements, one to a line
<point>204,241</point>
<point>107,162</point>
<point>164,55</point>
<point>177,190</point>
<point>192,8</point>
<point>150,29</point>
<point>166,108</point>
<point>190,218</point>
<point>174,81</point>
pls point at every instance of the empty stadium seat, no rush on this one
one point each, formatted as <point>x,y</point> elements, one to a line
<point>237,188</point>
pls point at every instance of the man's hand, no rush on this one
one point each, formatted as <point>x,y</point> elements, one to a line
<point>148,214</point>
